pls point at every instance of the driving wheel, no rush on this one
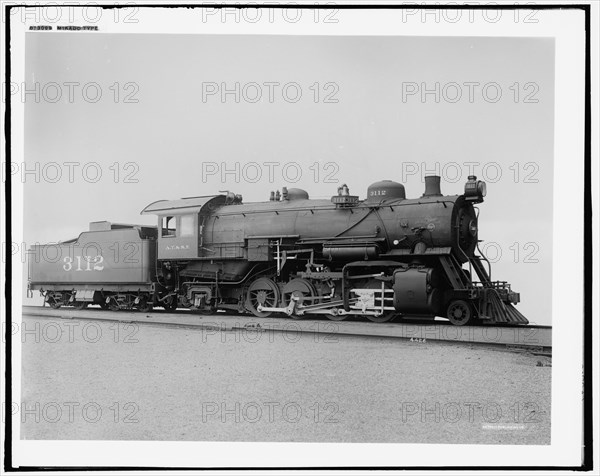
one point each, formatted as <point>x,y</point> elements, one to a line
<point>301,289</point>
<point>262,292</point>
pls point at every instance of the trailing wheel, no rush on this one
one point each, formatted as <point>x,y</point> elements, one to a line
<point>53,302</point>
<point>206,310</point>
<point>113,304</point>
<point>262,292</point>
<point>459,312</point>
<point>184,302</point>
<point>387,316</point>
<point>171,303</point>
<point>144,305</point>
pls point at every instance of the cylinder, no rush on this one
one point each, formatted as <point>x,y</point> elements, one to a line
<point>416,291</point>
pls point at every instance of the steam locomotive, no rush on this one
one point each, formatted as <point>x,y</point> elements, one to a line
<point>380,258</point>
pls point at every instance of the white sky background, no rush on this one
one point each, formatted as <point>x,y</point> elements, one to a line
<point>369,133</point>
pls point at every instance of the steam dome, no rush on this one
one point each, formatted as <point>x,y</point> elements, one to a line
<point>385,190</point>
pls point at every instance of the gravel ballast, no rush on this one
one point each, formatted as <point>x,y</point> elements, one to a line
<point>112,381</point>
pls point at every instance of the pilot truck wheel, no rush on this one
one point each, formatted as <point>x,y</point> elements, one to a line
<point>459,312</point>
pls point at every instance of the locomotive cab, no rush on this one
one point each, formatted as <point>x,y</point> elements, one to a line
<point>181,225</point>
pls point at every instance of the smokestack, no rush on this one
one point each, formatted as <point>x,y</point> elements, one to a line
<point>432,186</point>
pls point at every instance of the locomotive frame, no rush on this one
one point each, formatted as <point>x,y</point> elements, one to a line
<point>380,258</point>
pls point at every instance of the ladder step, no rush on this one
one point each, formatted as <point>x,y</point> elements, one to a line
<point>454,273</point>
<point>480,269</point>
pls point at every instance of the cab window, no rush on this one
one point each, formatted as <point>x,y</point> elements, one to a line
<point>168,226</point>
<point>186,225</point>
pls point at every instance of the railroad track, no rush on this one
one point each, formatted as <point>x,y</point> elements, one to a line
<point>537,339</point>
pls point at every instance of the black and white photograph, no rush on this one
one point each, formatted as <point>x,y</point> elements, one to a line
<point>312,236</point>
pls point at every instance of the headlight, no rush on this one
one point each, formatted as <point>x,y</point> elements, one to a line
<point>482,188</point>
<point>475,189</point>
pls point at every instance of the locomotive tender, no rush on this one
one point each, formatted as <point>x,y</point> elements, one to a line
<point>380,258</point>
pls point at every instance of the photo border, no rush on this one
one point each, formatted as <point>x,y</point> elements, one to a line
<point>587,450</point>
